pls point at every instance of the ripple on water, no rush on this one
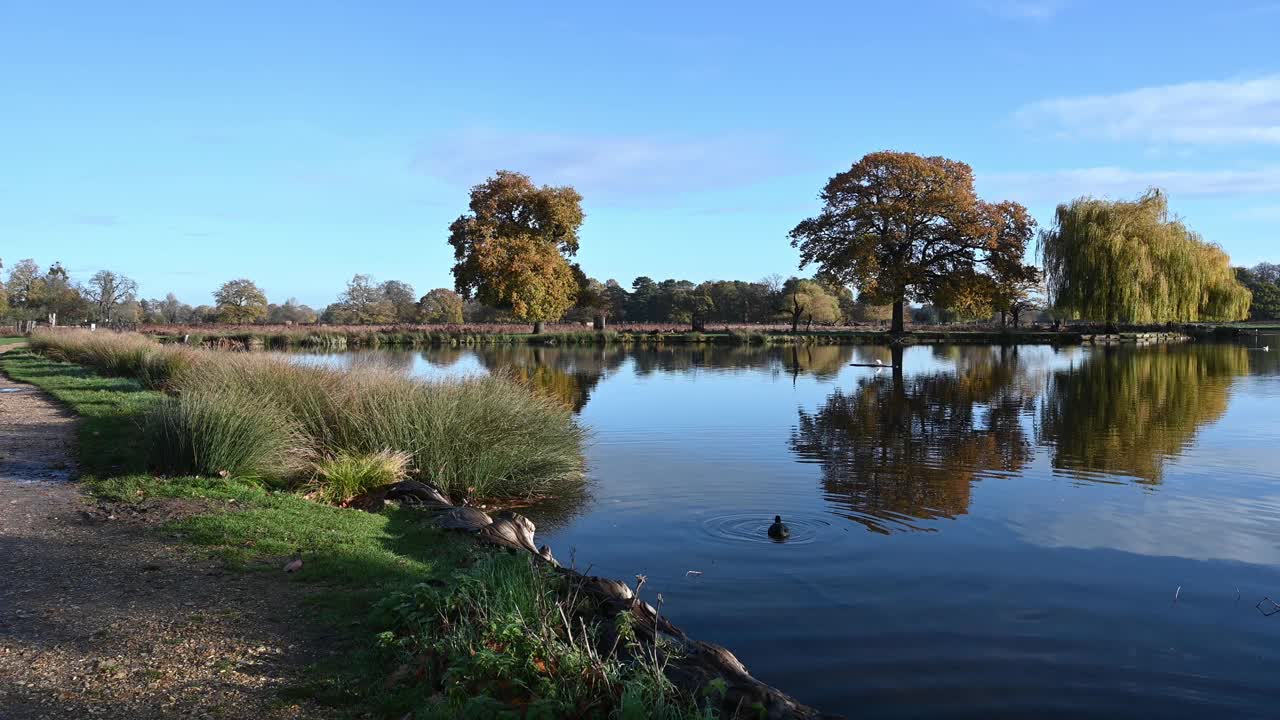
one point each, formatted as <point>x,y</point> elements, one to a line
<point>754,528</point>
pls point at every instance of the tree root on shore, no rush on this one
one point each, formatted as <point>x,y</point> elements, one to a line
<point>691,665</point>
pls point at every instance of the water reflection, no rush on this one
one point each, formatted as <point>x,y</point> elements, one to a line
<point>900,448</point>
<point>897,449</point>
<point>1126,411</point>
<point>823,361</point>
<point>568,375</point>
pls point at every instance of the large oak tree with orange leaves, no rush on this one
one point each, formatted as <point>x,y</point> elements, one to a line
<point>899,227</point>
<point>512,249</point>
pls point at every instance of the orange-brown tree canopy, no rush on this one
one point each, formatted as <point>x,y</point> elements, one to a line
<point>899,227</point>
<point>511,250</point>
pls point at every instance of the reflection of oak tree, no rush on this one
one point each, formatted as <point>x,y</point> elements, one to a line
<point>1125,411</point>
<point>566,374</point>
<point>897,449</point>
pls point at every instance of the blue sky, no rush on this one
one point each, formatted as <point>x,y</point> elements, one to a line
<point>186,144</point>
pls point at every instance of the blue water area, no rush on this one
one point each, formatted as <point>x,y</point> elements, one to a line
<point>987,532</point>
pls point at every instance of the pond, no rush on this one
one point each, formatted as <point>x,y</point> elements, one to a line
<point>986,532</point>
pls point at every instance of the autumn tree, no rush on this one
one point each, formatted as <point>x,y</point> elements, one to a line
<point>512,249</point>
<point>440,306</point>
<point>24,286</point>
<point>363,302</point>
<point>897,225</point>
<point>1012,281</point>
<point>240,301</point>
<point>1129,262</point>
<point>403,300</point>
<point>809,302</point>
<point>107,290</point>
<point>866,311</point>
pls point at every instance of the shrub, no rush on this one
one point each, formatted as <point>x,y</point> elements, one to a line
<point>224,433</point>
<point>342,477</point>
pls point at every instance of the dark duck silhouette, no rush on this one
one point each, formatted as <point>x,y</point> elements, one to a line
<point>777,530</point>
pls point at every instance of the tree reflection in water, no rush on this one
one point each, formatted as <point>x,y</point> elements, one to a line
<point>1126,411</point>
<point>897,449</point>
<point>568,375</point>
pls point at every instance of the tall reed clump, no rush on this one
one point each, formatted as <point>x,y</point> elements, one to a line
<point>485,436</point>
<point>123,354</point>
<point>228,432</point>
<point>265,417</point>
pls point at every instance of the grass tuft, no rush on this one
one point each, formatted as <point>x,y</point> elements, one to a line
<point>345,476</point>
<point>227,433</point>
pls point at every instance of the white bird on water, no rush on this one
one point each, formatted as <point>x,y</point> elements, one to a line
<point>878,362</point>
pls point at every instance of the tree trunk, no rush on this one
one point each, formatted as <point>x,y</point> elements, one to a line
<point>537,327</point>
<point>598,322</point>
<point>898,325</point>
<point>1003,319</point>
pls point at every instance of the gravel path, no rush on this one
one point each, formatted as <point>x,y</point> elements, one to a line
<point>103,617</point>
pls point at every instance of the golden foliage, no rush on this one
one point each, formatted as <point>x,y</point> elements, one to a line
<point>1129,262</point>
<point>511,250</point>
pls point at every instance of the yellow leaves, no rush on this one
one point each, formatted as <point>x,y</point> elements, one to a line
<point>1128,262</point>
<point>512,250</point>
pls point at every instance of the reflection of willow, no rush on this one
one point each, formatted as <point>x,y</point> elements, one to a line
<point>567,374</point>
<point>821,361</point>
<point>1125,411</point>
<point>894,449</point>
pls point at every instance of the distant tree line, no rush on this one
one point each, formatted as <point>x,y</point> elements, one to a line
<point>895,229</point>
<point>1263,282</point>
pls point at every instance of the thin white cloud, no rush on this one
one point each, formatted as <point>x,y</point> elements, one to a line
<point>615,169</point>
<point>1195,113</point>
<point>1024,9</point>
<point>96,219</point>
<point>1116,182</point>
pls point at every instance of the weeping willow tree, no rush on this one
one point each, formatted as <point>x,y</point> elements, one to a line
<point>1130,262</point>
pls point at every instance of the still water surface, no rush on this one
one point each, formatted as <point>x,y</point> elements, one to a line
<point>991,532</point>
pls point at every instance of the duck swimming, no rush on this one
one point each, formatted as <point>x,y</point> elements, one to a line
<point>777,530</point>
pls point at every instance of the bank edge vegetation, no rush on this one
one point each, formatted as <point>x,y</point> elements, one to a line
<point>340,432</point>
<point>897,228</point>
<point>423,622</point>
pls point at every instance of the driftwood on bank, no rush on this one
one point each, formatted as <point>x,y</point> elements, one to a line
<point>690,664</point>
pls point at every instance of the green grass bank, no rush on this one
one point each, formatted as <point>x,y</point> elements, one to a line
<point>431,625</point>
